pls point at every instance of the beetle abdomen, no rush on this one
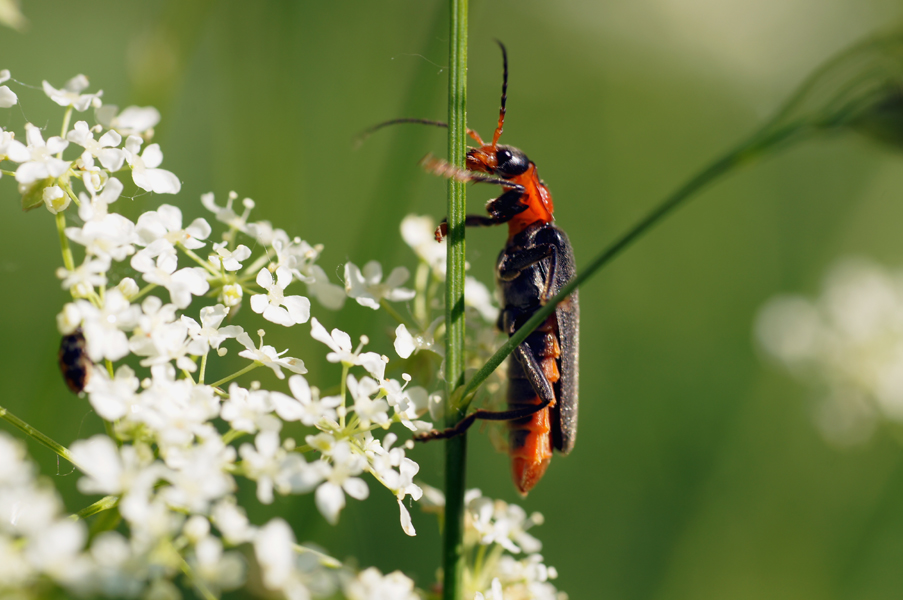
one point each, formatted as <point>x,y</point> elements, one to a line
<point>530,438</point>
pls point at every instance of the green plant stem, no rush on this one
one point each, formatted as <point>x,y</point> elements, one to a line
<point>247,369</point>
<point>68,260</point>
<point>39,437</point>
<point>397,315</point>
<point>105,503</point>
<point>455,447</point>
<point>744,153</point>
<point>199,584</point>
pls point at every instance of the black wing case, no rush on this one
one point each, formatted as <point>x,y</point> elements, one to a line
<point>564,414</point>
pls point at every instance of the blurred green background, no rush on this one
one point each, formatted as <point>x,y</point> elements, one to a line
<point>698,472</point>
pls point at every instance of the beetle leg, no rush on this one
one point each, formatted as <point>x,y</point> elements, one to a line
<point>513,262</point>
<point>501,210</point>
<point>537,380</point>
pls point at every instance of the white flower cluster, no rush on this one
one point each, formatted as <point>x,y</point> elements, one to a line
<point>142,354</point>
<point>166,469</point>
<point>494,532</point>
<point>848,342</point>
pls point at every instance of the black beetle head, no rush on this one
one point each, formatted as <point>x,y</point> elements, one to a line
<point>510,161</point>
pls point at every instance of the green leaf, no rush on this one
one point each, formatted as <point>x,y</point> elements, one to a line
<point>34,195</point>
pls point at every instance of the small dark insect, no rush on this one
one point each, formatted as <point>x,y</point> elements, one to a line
<point>74,362</point>
<point>535,264</point>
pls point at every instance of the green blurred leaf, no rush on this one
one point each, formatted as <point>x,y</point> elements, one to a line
<point>860,88</point>
<point>34,196</point>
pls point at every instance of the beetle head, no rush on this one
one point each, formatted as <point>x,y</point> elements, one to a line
<point>504,161</point>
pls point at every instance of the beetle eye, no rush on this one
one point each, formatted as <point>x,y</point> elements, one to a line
<point>510,162</point>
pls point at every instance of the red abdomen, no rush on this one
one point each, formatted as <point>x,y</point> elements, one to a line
<point>530,438</point>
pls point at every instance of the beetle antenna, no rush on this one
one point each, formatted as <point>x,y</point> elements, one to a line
<point>498,130</point>
<point>362,137</point>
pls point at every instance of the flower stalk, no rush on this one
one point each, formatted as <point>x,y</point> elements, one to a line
<point>456,447</point>
<point>39,437</point>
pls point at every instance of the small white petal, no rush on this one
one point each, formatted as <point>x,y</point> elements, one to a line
<point>330,500</point>
<point>404,342</point>
<point>7,97</point>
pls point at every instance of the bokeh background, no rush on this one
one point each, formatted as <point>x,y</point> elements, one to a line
<point>698,472</point>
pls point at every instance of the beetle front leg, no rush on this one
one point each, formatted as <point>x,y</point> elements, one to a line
<point>501,210</point>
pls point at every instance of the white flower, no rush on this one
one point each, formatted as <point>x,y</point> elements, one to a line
<point>104,327</point>
<point>340,344</point>
<point>282,569</point>
<point>199,474</point>
<point>128,287</point>
<point>113,398</point>
<point>232,521</point>
<point>366,287</point>
<point>275,305</point>
<point>418,233</point>
<point>495,592</point>
<point>104,234</point>
<point>163,342</point>
<point>368,410</point>
<point>96,207</point>
<point>268,356</point>
<point>249,410</point>
<point>144,168</point>
<point>370,584</point>
<point>70,94</point>
<point>271,466</point>
<point>133,120</point>
<point>111,470</point>
<point>328,294</point>
<point>225,214</point>
<point>230,259</point>
<point>83,279</point>
<point>849,342</point>
<point>231,295</point>
<point>181,284</point>
<point>498,522</point>
<point>477,295</point>
<point>306,406</point>
<point>7,96</point>
<point>177,411</point>
<point>408,402</point>
<point>105,149</point>
<point>163,227</point>
<point>209,331</point>
<point>217,569</point>
<point>14,150</point>
<point>57,551</point>
<point>55,199</point>
<point>340,480</point>
<point>407,343</point>
<point>42,162</point>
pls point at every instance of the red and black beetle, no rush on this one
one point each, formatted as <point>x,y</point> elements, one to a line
<point>535,264</point>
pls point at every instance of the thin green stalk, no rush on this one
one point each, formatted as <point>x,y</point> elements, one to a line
<point>455,447</point>
<point>199,584</point>
<point>66,118</point>
<point>204,263</point>
<point>325,559</point>
<point>232,435</point>
<point>744,153</point>
<point>105,503</point>
<point>247,369</point>
<point>203,372</point>
<point>397,315</point>
<point>39,437</point>
<point>68,260</point>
